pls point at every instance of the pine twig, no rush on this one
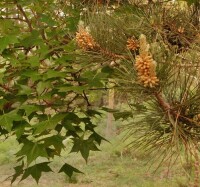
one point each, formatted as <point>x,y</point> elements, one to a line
<point>165,106</point>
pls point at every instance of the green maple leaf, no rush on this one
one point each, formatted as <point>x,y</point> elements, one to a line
<point>68,170</point>
<point>20,128</point>
<point>25,90</point>
<point>56,141</point>
<point>48,124</point>
<point>6,120</point>
<point>97,138</point>
<point>84,146</point>
<point>32,151</point>
<point>36,171</point>
<point>18,171</point>
<point>29,109</point>
<point>54,74</point>
<point>6,40</point>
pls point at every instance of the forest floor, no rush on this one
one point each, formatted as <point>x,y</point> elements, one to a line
<point>114,166</point>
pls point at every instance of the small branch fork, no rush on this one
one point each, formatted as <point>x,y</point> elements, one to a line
<point>167,108</point>
<point>24,15</point>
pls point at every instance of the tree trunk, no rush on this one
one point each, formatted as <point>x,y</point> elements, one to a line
<point>110,127</point>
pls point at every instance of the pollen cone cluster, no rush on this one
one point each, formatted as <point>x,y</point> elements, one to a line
<point>84,40</point>
<point>145,65</point>
<point>132,44</point>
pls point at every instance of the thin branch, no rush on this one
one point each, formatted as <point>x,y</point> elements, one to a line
<point>95,89</point>
<point>19,19</point>
<point>72,100</point>
<point>86,98</point>
<point>25,16</point>
<point>6,88</point>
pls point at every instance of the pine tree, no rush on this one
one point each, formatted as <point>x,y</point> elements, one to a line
<point>154,51</point>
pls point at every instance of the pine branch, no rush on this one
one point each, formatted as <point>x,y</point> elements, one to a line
<point>111,54</point>
<point>164,105</point>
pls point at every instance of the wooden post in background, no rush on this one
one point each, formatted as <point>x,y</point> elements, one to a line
<point>110,129</point>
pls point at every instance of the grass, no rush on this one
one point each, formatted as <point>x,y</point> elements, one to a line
<point>111,167</point>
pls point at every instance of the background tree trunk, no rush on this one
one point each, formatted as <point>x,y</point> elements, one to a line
<point>110,130</point>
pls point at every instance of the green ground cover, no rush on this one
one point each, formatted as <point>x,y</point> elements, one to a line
<point>111,167</point>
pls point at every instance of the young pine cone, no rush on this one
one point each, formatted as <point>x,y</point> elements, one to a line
<point>132,44</point>
<point>145,65</point>
<point>84,40</point>
<point>146,68</point>
<point>149,81</point>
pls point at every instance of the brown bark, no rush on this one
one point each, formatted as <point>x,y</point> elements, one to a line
<point>165,106</point>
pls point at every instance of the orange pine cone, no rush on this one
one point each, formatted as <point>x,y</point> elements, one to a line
<point>132,44</point>
<point>84,40</point>
<point>145,66</point>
